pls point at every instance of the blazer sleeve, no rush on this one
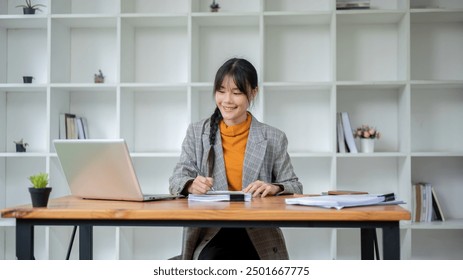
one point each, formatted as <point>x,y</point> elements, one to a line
<point>283,172</point>
<point>187,168</point>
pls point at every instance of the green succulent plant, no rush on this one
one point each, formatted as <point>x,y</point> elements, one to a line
<point>39,180</point>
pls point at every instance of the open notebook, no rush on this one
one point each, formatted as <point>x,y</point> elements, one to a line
<point>101,169</point>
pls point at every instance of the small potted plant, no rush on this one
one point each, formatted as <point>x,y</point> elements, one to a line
<point>30,9</point>
<point>20,146</point>
<point>27,79</point>
<point>39,191</point>
<point>214,7</point>
<point>367,135</point>
<point>99,78</point>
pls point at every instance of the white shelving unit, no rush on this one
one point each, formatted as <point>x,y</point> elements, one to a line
<point>398,66</point>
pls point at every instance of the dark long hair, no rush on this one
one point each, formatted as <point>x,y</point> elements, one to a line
<point>244,75</point>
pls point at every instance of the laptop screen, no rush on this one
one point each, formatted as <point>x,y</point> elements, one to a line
<point>98,169</point>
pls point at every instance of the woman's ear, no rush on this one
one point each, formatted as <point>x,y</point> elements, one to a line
<point>254,92</point>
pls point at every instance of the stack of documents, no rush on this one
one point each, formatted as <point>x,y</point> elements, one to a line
<point>221,196</point>
<point>341,201</point>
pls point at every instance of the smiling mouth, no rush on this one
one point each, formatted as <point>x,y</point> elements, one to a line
<point>228,108</point>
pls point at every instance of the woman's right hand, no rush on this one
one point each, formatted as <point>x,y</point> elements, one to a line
<point>201,185</point>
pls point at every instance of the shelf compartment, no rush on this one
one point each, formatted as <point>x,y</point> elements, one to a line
<point>372,46</point>
<point>298,48</point>
<point>435,111</point>
<point>434,36</point>
<point>378,5</point>
<point>81,46</point>
<point>155,7</point>
<point>154,120</point>
<point>296,5</point>
<point>226,6</point>
<point>436,4</point>
<point>222,38</point>
<point>382,106</point>
<point>16,58</point>
<point>98,106</point>
<point>154,49</point>
<point>84,6</point>
<point>373,175</point>
<point>304,115</point>
<point>24,116</point>
<point>435,244</point>
<point>444,174</point>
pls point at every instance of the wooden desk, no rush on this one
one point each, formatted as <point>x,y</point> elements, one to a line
<point>261,212</point>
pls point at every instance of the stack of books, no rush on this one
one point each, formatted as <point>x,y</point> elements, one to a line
<point>425,206</point>
<point>72,126</point>
<point>352,4</point>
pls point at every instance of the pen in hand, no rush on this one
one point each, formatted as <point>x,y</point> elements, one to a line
<point>205,181</point>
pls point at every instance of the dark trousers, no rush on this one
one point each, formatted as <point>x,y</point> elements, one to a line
<point>230,244</point>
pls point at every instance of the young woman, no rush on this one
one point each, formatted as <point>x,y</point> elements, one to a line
<point>232,150</point>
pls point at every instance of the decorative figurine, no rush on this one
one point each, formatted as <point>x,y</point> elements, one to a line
<point>214,7</point>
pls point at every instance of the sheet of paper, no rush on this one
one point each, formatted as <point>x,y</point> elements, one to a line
<point>340,201</point>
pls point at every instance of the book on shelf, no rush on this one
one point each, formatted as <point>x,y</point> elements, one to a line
<point>425,206</point>
<point>348,133</point>
<point>72,126</point>
<point>438,214</point>
<point>340,133</point>
<point>352,4</point>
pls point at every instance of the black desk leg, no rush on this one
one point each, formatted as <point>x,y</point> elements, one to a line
<point>391,242</point>
<point>367,243</point>
<point>85,242</point>
<point>24,240</point>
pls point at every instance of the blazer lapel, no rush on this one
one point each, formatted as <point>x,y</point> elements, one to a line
<point>255,153</point>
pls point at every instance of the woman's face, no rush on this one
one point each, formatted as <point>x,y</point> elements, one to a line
<point>232,103</point>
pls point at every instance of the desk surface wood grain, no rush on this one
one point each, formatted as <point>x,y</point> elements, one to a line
<point>259,209</point>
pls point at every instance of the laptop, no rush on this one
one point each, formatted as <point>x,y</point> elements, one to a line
<point>101,169</point>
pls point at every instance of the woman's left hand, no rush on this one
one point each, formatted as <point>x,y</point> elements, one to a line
<point>262,189</point>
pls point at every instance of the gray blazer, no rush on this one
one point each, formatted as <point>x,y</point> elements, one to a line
<point>266,159</point>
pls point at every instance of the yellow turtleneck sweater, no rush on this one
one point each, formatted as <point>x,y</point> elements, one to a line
<point>234,139</point>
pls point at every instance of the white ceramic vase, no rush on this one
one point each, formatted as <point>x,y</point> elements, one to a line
<point>367,145</point>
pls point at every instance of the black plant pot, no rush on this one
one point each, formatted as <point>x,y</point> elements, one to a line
<point>27,79</point>
<point>39,197</point>
<point>28,11</point>
<point>20,148</point>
